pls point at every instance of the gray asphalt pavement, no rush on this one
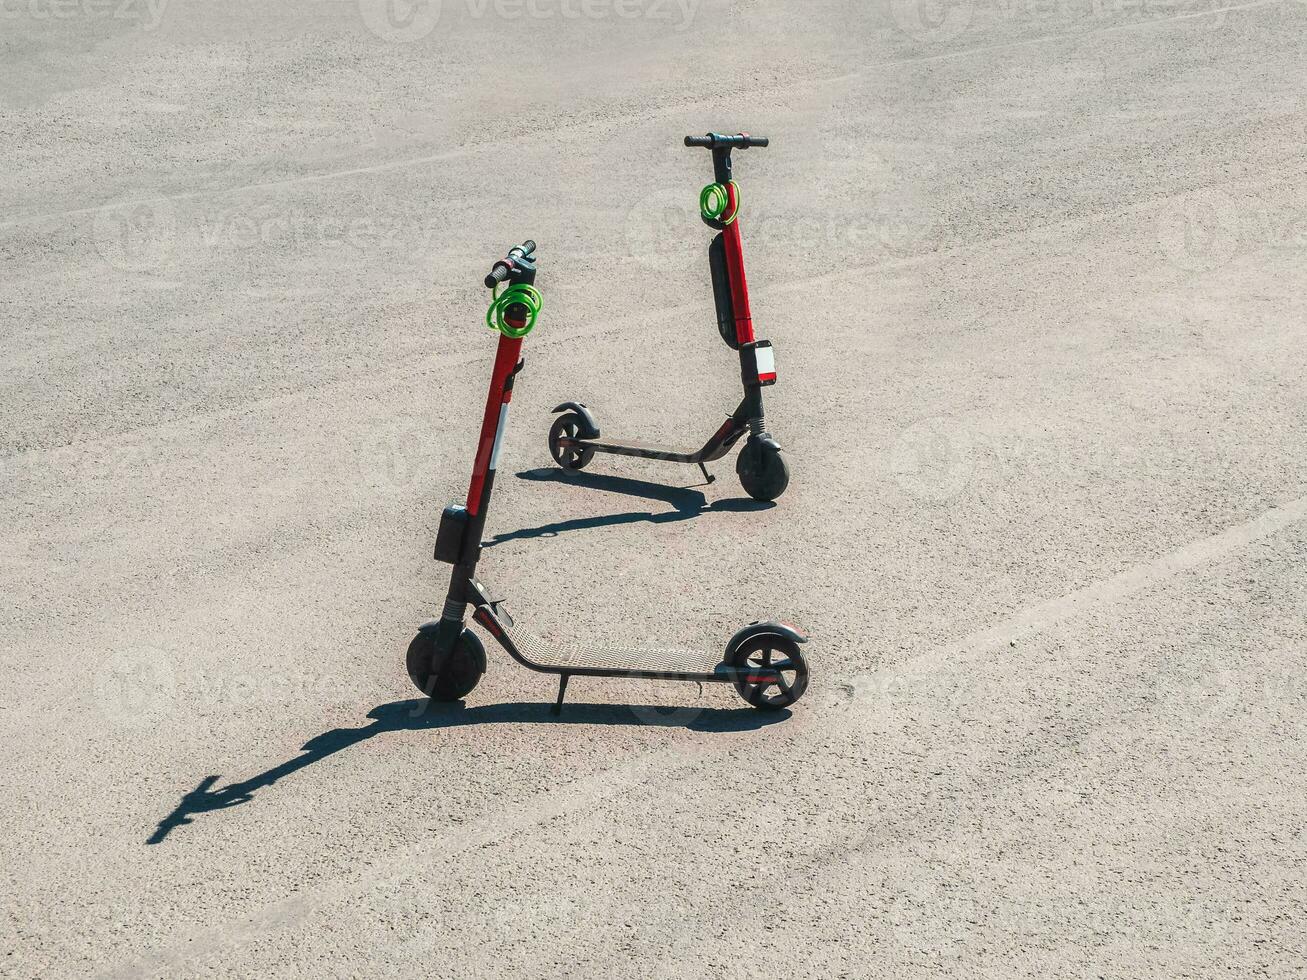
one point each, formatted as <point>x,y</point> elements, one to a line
<point>1034,274</point>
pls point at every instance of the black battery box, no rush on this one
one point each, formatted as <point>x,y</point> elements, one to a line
<point>451,539</point>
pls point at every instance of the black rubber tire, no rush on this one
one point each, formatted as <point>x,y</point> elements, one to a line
<point>771,650</point>
<point>569,457</point>
<point>763,472</point>
<point>462,671</point>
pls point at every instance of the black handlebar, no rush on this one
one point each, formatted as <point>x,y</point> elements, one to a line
<point>716,141</point>
<point>504,267</point>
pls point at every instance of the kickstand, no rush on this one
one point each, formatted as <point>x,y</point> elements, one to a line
<point>562,690</point>
<point>707,477</point>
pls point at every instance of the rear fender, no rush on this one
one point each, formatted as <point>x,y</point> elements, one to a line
<point>590,428</point>
<point>763,629</point>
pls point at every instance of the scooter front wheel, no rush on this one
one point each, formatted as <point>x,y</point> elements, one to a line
<point>762,470</point>
<point>569,457</point>
<point>457,677</point>
<point>771,653</point>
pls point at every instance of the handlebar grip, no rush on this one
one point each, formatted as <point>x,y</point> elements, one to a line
<point>501,269</point>
<point>716,141</point>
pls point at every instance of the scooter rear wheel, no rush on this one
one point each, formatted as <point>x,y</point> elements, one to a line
<point>460,674</point>
<point>776,653</point>
<point>569,426</point>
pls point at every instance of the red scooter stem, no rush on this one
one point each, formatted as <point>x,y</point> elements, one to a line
<point>735,268</point>
<point>493,422</point>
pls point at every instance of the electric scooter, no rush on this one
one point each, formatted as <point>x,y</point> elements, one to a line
<point>575,436</point>
<point>446,660</point>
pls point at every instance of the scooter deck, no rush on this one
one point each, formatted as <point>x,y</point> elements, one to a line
<point>618,447</point>
<point>654,663</point>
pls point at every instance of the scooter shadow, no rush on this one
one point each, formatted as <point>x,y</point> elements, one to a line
<point>421,715</point>
<point>687,503</point>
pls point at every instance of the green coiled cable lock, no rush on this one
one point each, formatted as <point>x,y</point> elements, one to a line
<point>714,201</point>
<point>522,295</point>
